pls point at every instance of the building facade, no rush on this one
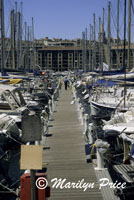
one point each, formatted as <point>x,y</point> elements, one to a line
<point>62,55</point>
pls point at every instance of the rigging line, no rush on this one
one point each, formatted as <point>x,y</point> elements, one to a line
<point>132,7</point>
<point>11,4</point>
<point>10,190</point>
<point>113,25</point>
<point>121,22</point>
<point>114,18</point>
<point>8,54</point>
<point>8,26</point>
<point>13,138</point>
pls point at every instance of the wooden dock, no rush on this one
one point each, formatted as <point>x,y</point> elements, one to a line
<point>65,153</point>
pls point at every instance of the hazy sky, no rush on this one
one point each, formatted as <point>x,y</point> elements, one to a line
<point>65,18</point>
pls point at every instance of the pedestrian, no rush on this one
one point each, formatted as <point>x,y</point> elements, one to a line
<point>66,83</point>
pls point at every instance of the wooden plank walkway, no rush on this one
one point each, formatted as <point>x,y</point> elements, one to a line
<point>65,154</point>
<point>107,192</point>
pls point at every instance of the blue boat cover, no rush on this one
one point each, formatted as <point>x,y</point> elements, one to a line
<point>105,83</point>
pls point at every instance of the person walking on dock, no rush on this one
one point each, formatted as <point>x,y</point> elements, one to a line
<point>66,83</point>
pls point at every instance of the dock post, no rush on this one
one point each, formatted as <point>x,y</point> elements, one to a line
<point>78,104</point>
<point>79,112</point>
<point>101,149</point>
<point>50,106</point>
<point>74,93</point>
<point>53,103</point>
<point>85,123</point>
<point>90,131</point>
<point>33,186</point>
<point>82,114</point>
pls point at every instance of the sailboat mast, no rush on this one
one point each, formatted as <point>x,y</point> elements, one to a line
<point>12,40</point>
<point>109,35</point>
<point>90,47</point>
<point>118,33</point>
<point>124,63</point>
<point>102,53</point>
<point>2,35</point>
<point>86,48</point>
<point>100,49</point>
<point>33,45</point>
<point>20,46</point>
<point>94,38</point>
<point>129,33</point>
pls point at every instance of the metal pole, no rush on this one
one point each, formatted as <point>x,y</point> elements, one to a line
<point>83,59</point>
<point>12,39</point>
<point>92,50</point>
<point>2,35</point>
<point>16,27</point>
<point>124,63</point>
<point>103,21</point>
<point>109,35</point>
<point>33,186</point>
<point>20,36</point>
<point>90,64</point>
<point>117,33</point>
<point>85,49</point>
<point>28,47</point>
<point>100,63</point>
<point>129,33</point>
<point>26,44</point>
<point>102,37</point>
<point>33,44</point>
<point>94,38</point>
<point>18,39</point>
<point>31,57</point>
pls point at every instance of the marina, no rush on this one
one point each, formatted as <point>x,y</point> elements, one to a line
<point>66,157</point>
<point>67,105</point>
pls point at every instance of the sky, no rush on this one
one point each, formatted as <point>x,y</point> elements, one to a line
<point>65,19</point>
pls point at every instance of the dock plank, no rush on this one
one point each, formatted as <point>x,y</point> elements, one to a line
<point>66,155</point>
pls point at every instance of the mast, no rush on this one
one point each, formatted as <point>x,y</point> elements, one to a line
<point>86,48</point>
<point>82,51</point>
<point>3,64</point>
<point>103,21</point>
<point>33,44</point>
<point>129,33</point>
<point>20,46</point>
<point>100,49</point>
<point>25,55</point>
<point>92,47</point>
<point>12,40</point>
<point>16,31</point>
<point>109,35</point>
<point>117,33</point>
<point>94,39</point>
<point>28,47</point>
<point>31,48</point>
<point>102,37</point>
<point>19,35</point>
<point>90,61</point>
<point>124,63</point>
<point>18,39</point>
<point>83,39</point>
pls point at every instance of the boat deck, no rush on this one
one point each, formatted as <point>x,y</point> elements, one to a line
<point>64,152</point>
